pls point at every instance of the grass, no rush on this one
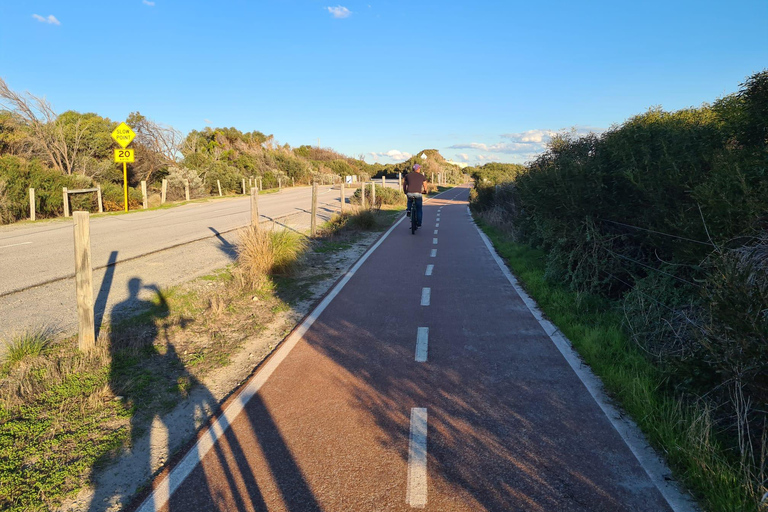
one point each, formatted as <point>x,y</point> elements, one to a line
<point>28,345</point>
<point>682,431</point>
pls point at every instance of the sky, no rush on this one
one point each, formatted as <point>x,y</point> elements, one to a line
<point>479,81</point>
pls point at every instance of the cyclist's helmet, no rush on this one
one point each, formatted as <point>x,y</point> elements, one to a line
<point>416,167</point>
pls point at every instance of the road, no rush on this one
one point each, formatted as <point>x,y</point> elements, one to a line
<point>161,247</point>
<point>422,381</point>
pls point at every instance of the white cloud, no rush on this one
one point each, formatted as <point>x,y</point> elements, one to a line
<point>147,2</point>
<point>392,154</point>
<point>521,147</point>
<point>339,12</point>
<point>463,157</point>
<point>207,121</point>
<point>51,19</point>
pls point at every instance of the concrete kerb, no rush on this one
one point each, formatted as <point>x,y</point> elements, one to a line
<point>651,462</point>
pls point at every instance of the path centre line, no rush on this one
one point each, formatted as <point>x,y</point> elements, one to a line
<point>435,232</point>
<point>630,433</point>
<point>426,295</point>
<point>162,493</point>
<point>430,268</point>
<point>437,225</point>
<point>422,344</point>
<point>434,241</point>
<point>416,492</point>
<point>433,254</point>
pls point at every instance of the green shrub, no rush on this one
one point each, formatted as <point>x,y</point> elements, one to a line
<point>384,195</point>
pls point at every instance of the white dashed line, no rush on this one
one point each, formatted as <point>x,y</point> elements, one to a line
<point>435,231</point>
<point>430,268</point>
<point>437,225</point>
<point>422,344</point>
<point>426,295</point>
<point>434,241</point>
<point>416,493</point>
<point>433,254</point>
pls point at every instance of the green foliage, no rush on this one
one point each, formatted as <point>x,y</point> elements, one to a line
<point>19,175</point>
<point>384,195</point>
<point>494,173</point>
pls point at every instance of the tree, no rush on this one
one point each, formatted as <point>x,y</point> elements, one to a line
<point>56,141</point>
<point>158,146</point>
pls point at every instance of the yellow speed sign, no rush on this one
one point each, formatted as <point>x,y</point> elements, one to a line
<point>124,156</point>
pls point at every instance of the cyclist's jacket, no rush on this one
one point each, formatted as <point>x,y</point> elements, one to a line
<point>414,183</point>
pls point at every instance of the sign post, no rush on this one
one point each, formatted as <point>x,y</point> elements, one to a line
<point>123,135</point>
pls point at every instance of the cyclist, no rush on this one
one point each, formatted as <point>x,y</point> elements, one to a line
<point>414,185</point>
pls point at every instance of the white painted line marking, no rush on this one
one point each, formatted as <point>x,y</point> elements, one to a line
<point>416,494</point>
<point>162,493</point>
<point>434,241</point>
<point>430,268</point>
<point>426,295</point>
<point>435,232</point>
<point>15,245</point>
<point>437,225</point>
<point>433,254</point>
<point>422,344</point>
<point>627,429</point>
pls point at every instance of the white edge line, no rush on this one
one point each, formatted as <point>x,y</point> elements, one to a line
<point>654,466</point>
<point>14,245</point>
<point>416,491</point>
<point>162,493</point>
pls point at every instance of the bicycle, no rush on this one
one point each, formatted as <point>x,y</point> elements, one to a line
<point>411,212</point>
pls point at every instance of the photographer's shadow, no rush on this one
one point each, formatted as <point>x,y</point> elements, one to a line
<point>148,376</point>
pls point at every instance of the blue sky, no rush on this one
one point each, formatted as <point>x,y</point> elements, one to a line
<point>479,81</point>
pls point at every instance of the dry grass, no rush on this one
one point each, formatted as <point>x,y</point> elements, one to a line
<point>262,253</point>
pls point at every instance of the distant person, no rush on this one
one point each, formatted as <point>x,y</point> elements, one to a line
<point>414,185</point>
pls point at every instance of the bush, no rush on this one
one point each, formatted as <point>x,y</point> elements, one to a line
<point>19,175</point>
<point>262,253</point>
<point>384,195</point>
<point>177,177</point>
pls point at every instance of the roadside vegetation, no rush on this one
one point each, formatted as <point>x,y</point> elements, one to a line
<point>46,151</point>
<point>648,246</point>
<point>64,415</point>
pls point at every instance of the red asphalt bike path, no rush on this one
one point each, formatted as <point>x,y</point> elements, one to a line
<point>509,425</point>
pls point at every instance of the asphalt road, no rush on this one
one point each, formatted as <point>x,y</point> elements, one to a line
<point>160,247</point>
<point>425,382</point>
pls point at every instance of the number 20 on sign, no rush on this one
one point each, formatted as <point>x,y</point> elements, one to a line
<point>124,156</point>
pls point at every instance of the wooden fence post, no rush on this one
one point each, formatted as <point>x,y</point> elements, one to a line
<point>261,183</point>
<point>362,196</point>
<point>383,181</point>
<point>343,199</point>
<point>279,184</point>
<point>373,195</point>
<point>186,189</point>
<point>164,191</point>
<point>313,223</point>
<point>32,209</point>
<point>400,181</point>
<point>255,207</point>
<point>84,282</point>
<point>144,194</point>
<point>243,185</point>
<point>66,202</point>
<point>98,196</point>
<point>218,182</point>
